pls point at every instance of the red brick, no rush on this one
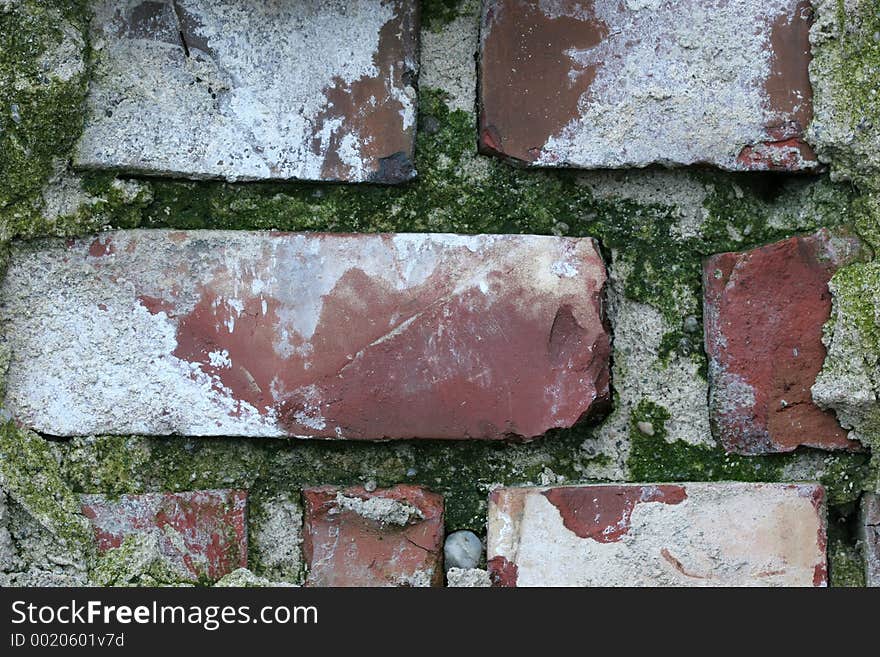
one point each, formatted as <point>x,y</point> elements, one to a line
<point>364,337</point>
<point>604,83</point>
<point>691,534</point>
<point>391,537</point>
<point>764,311</point>
<point>202,533</point>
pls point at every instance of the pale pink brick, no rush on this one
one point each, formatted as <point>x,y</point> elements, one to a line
<point>694,534</point>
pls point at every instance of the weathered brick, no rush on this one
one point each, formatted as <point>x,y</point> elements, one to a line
<point>870,538</point>
<point>200,534</point>
<point>612,84</point>
<point>254,90</point>
<point>391,537</point>
<point>694,534</point>
<point>311,335</point>
<point>763,315</point>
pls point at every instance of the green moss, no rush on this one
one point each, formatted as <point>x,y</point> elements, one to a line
<point>846,70</point>
<point>437,13</point>
<point>29,471</point>
<point>462,472</point>
<point>854,357</point>
<point>844,476</point>
<point>41,112</point>
<point>857,292</point>
<point>846,568</point>
<point>105,463</point>
<point>652,458</point>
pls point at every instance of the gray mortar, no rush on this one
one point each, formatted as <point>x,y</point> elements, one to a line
<point>7,547</point>
<point>383,510</point>
<point>244,578</point>
<point>842,132</point>
<point>677,188</point>
<point>34,556</point>
<point>138,561</point>
<point>849,383</point>
<point>467,578</point>
<point>447,58</point>
<point>276,538</point>
<point>639,374</point>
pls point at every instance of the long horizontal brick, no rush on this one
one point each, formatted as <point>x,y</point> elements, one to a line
<point>606,83</point>
<point>311,335</point>
<point>200,534</point>
<point>387,537</point>
<point>253,90</point>
<point>695,534</point>
<point>764,311</point>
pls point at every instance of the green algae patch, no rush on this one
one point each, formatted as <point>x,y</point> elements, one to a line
<point>849,382</point>
<point>652,458</point>
<point>437,13</point>
<point>43,81</point>
<point>463,472</point>
<point>30,473</point>
<point>845,71</point>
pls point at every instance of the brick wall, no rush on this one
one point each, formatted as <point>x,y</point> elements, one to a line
<point>440,294</point>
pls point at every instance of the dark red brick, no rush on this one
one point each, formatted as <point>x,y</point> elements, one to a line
<point>391,537</point>
<point>764,312</point>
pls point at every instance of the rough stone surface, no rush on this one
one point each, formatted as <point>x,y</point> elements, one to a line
<point>34,555</point>
<point>447,60</point>
<point>387,537</point>
<point>764,311</point>
<point>565,83</point>
<point>276,540</point>
<point>332,336</point>
<point>639,374</point>
<point>244,578</point>
<point>200,535</point>
<point>849,383</point>
<point>462,549</point>
<point>7,547</point>
<point>846,76</point>
<point>312,90</point>
<point>695,534</point>
<point>870,538</point>
<point>471,578</point>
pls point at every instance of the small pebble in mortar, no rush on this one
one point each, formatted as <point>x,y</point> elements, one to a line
<point>462,549</point>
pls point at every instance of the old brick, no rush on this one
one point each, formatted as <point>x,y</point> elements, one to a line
<point>870,538</point>
<point>694,534</point>
<point>200,534</point>
<point>391,537</point>
<point>310,335</point>
<point>606,83</point>
<point>764,311</point>
<point>254,90</point>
